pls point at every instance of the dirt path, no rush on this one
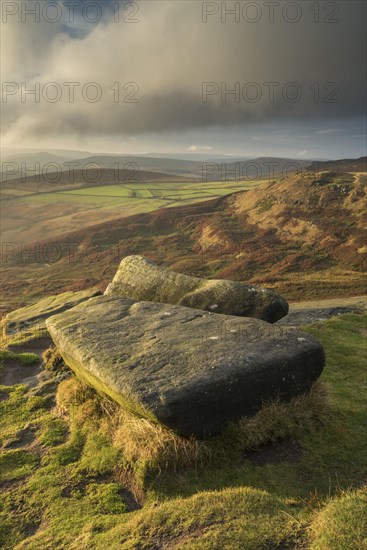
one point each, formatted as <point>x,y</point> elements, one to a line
<point>354,301</point>
<point>304,313</point>
<point>15,373</point>
<point>359,177</point>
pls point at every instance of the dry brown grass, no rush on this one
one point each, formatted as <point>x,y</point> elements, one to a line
<point>141,441</point>
<point>147,445</point>
<point>278,419</point>
<point>53,361</point>
<point>155,445</point>
<point>70,392</point>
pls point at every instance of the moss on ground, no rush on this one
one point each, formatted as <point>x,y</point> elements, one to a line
<point>25,359</point>
<point>91,478</point>
<point>23,338</point>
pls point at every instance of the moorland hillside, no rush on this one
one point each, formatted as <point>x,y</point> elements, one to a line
<point>303,235</point>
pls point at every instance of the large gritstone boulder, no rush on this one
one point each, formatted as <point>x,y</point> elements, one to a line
<point>191,370</point>
<point>36,314</point>
<point>141,279</point>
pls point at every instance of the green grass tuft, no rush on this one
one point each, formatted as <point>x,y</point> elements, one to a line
<point>232,518</point>
<point>342,523</point>
<point>26,359</point>
<point>20,339</point>
<point>54,432</point>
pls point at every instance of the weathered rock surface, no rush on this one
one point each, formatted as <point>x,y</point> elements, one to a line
<point>36,314</point>
<point>141,279</point>
<point>191,370</point>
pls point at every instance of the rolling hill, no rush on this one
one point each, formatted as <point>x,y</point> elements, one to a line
<point>210,168</point>
<point>303,235</point>
<point>342,165</point>
<point>197,167</point>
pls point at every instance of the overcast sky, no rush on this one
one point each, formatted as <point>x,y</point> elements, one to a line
<point>270,78</point>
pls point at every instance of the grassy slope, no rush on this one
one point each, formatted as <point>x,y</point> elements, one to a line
<point>71,488</point>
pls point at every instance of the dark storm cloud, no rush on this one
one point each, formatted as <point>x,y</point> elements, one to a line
<point>175,72</point>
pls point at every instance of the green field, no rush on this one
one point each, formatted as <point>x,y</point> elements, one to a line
<point>31,216</point>
<point>161,194</point>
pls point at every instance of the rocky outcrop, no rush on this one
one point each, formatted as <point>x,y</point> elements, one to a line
<point>35,315</point>
<point>141,279</point>
<point>191,370</point>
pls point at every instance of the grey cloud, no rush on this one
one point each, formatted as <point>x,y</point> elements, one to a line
<point>169,54</point>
